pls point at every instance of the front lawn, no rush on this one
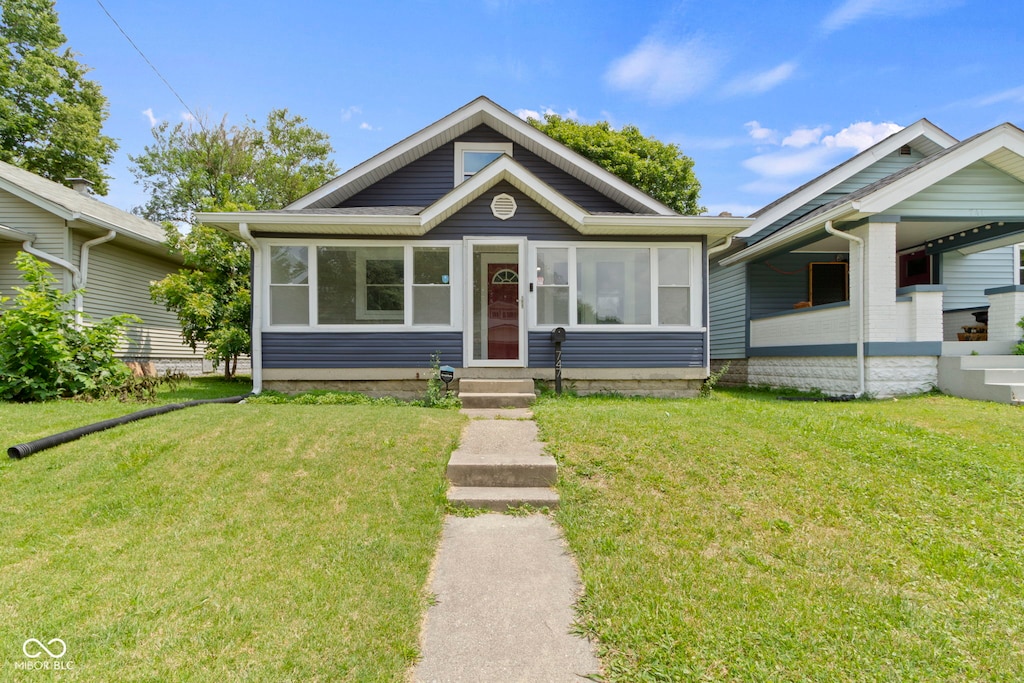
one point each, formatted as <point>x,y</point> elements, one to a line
<point>222,542</point>
<point>750,539</point>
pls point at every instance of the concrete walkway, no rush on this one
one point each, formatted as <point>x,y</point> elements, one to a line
<point>505,588</point>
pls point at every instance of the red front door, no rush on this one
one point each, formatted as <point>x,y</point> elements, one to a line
<point>502,311</point>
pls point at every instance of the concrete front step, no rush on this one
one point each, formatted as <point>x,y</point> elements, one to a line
<point>1004,375</point>
<point>495,386</point>
<point>981,362</point>
<point>501,470</point>
<point>478,401</point>
<point>499,499</point>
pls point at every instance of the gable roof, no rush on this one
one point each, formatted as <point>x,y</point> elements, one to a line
<point>923,135</point>
<point>72,205</point>
<point>415,222</point>
<point>1001,147</point>
<point>480,111</point>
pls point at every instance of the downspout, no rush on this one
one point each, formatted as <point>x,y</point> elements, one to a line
<point>79,275</point>
<point>76,274</point>
<point>861,372</point>
<point>257,312</point>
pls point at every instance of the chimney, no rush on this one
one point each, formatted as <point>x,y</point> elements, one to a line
<point>81,185</point>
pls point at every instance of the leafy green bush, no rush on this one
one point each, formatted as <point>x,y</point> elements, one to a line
<point>44,353</point>
<point>1019,348</point>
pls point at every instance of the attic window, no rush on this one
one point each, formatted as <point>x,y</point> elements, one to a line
<point>471,157</point>
<point>503,206</point>
<point>905,151</point>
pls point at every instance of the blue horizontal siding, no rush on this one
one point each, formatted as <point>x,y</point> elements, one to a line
<point>620,349</point>
<point>360,349</point>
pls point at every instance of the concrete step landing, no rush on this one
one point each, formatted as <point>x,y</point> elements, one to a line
<point>501,464</point>
<point>496,393</point>
<point>501,498</point>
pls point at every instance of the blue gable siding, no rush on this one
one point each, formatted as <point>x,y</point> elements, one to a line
<point>532,221</point>
<point>360,349</point>
<point>430,177</point>
<point>619,349</point>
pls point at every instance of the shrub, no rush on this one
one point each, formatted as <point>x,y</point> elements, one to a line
<point>1019,348</point>
<point>45,353</point>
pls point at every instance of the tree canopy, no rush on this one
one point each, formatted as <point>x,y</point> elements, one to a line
<point>51,115</point>
<point>191,168</point>
<point>658,168</point>
<point>202,167</point>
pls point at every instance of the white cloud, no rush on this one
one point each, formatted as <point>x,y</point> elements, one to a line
<point>187,117</point>
<point>861,135</point>
<point>802,137</point>
<point>153,120</point>
<point>758,132</point>
<point>755,84</point>
<point>806,152</point>
<point>348,112</point>
<point>852,11</point>
<point>665,73</point>
<point>366,126</point>
<point>1011,95</point>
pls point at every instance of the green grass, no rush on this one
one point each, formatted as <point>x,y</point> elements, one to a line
<point>748,539</point>
<point>223,542</point>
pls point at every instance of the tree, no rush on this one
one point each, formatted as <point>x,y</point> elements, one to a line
<point>660,169</point>
<point>211,294</point>
<point>191,168</point>
<point>51,115</point>
<point>199,167</point>
<point>44,353</point>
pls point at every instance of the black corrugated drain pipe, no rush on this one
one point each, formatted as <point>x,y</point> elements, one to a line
<point>24,450</point>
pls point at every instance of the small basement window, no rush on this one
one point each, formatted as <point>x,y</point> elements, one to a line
<point>472,157</point>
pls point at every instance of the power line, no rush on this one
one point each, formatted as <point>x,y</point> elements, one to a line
<point>151,66</point>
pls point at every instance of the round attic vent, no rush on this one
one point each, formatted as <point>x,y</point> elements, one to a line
<point>503,206</point>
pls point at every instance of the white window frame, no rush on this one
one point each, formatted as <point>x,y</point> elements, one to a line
<point>1018,264</point>
<point>462,147</point>
<point>361,293</point>
<point>696,285</point>
<point>454,283</point>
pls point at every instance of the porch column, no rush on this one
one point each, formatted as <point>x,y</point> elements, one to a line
<point>879,304</point>
<point>1005,309</point>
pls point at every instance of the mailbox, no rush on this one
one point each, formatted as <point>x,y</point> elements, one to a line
<point>558,335</point>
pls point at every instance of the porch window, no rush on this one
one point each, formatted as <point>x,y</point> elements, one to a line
<point>364,285</point>
<point>615,285</point>
<point>552,286</point>
<point>673,286</point>
<point>289,286</point>
<point>360,285</point>
<point>431,286</point>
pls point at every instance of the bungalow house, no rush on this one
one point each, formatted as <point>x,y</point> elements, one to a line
<point>476,238</point>
<point>112,254</point>
<point>893,273</point>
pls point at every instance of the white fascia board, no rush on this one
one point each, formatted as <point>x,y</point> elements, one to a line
<point>792,234</point>
<point>850,168</point>
<point>507,169</point>
<point>314,223</point>
<point>712,226</point>
<point>998,138</point>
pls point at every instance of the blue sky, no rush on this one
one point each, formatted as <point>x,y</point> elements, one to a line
<point>762,95</point>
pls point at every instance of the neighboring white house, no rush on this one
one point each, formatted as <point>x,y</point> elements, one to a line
<point>112,254</point>
<point>868,278</point>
